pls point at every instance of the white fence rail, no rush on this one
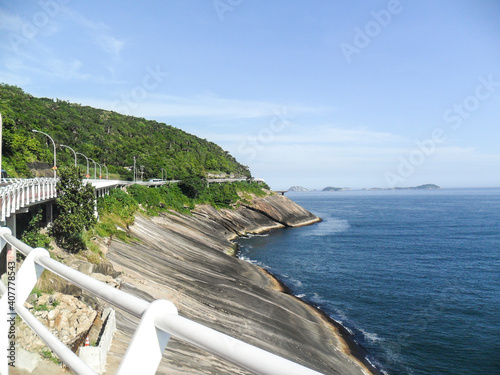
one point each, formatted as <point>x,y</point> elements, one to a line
<point>159,320</point>
<point>19,194</point>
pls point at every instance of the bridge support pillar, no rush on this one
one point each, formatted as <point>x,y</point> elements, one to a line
<point>11,223</point>
<point>49,212</point>
<point>96,213</point>
<point>5,247</point>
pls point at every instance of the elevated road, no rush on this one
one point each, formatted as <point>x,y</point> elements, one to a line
<point>17,195</point>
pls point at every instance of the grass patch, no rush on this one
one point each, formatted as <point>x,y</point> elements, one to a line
<point>47,354</point>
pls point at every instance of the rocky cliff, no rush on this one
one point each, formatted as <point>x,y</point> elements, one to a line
<point>184,258</point>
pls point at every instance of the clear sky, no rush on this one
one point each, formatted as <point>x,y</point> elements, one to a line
<point>313,93</point>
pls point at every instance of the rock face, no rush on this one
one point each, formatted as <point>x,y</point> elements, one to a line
<point>67,318</point>
<point>183,258</point>
<point>283,210</point>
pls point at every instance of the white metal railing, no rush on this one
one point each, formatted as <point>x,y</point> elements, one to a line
<point>21,193</point>
<point>159,320</point>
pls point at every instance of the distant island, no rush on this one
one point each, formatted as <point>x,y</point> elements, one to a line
<point>420,187</point>
<point>331,188</point>
<point>298,188</point>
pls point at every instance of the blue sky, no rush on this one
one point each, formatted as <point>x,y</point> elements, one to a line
<point>318,93</point>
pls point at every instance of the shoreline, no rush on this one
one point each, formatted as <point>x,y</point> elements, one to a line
<point>351,347</point>
<point>190,262</point>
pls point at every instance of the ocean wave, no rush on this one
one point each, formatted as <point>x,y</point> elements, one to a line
<point>252,261</point>
<point>371,337</point>
<point>302,295</point>
<point>250,235</point>
<point>317,299</point>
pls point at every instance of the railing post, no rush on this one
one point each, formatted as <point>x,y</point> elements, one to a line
<point>25,280</point>
<point>27,192</point>
<point>17,198</point>
<point>146,349</point>
<point>23,195</point>
<point>9,201</point>
<point>28,274</point>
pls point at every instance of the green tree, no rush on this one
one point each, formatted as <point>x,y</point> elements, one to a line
<point>32,236</point>
<point>192,187</point>
<point>75,204</point>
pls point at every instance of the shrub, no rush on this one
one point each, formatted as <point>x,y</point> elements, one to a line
<point>75,203</point>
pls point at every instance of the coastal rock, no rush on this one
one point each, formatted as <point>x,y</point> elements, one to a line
<point>239,222</point>
<point>182,258</point>
<point>283,210</point>
<point>65,316</point>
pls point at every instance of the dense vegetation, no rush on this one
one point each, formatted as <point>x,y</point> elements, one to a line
<point>107,137</point>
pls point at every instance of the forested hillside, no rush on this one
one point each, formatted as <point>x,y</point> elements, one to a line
<point>107,137</point>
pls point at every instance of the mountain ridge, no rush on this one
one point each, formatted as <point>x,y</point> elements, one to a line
<point>109,138</point>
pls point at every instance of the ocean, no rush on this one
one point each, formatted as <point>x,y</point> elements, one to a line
<point>414,275</point>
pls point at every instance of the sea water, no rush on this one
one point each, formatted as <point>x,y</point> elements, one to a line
<point>414,275</point>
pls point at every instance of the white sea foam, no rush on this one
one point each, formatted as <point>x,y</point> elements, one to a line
<point>330,226</point>
<point>252,261</point>
<point>371,337</point>
<point>316,298</point>
<point>302,295</point>
<point>250,235</point>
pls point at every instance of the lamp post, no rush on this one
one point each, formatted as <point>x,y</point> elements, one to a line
<point>163,169</point>
<point>95,168</point>
<point>79,153</point>
<point>74,152</point>
<point>134,169</point>
<point>54,167</point>
<point>107,177</point>
<point>100,170</point>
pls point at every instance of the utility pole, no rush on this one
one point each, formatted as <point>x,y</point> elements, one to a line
<point>134,169</point>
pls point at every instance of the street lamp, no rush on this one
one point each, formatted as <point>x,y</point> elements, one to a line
<point>100,170</point>
<point>74,152</point>
<point>54,167</point>
<point>79,153</point>
<point>95,168</point>
<point>134,170</point>
<point>106,171</point>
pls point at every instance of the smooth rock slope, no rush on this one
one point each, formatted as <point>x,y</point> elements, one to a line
<point>184,258</point>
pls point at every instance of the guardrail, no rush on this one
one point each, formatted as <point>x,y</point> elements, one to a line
<point>23,193</point>
<point>158,321</point>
